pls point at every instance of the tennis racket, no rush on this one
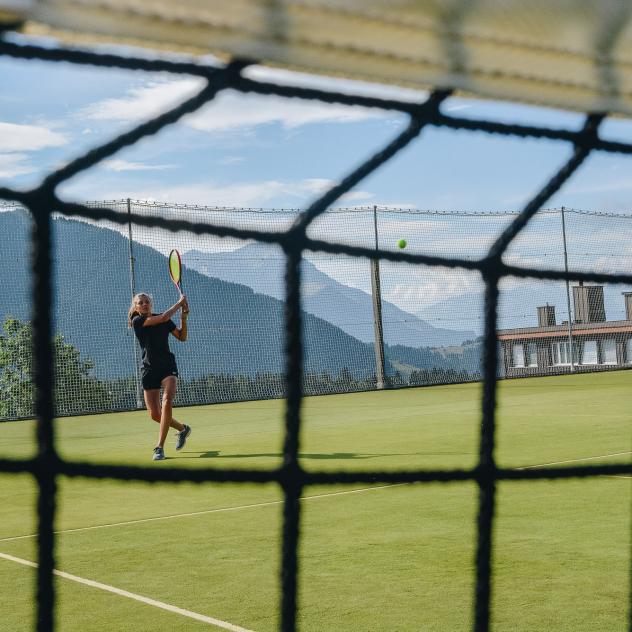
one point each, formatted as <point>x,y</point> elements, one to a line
<point>175,269</point>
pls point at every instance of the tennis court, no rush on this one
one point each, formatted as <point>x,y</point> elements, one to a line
<point>383,557</point>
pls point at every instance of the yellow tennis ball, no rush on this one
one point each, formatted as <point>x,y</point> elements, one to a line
<point>401,243</point>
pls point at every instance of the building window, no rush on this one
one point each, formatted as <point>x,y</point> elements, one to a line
<point>628,351</point>
<point>560,352</point>
<point>517,356</point>
<point>589,352</point>
<point>608,351</point>
<point>532,354</point>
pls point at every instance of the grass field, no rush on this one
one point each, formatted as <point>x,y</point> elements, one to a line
<point>387,558</point>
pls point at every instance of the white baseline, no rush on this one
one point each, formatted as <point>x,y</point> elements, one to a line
<point>204,512</point>
<point>124,593</point>
<point>278,502</point>
<point>586,458</point>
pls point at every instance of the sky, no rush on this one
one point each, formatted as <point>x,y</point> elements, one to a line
<point>250,150</point>
<point>256,151</point>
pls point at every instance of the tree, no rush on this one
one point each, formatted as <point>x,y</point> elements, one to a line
<point>16,369</point>
<point>75,389</point>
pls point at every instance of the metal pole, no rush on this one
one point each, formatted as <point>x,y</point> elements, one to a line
<point>132,282</point>
<point>377,314</point>
<point>568,295</point>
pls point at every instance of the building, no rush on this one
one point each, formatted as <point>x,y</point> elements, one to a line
<point>597,343</point>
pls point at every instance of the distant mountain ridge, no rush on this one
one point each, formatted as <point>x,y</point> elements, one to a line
<point>233,330</point>
<point>261,267</point>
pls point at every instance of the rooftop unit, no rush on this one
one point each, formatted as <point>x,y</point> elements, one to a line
<point>546,315</point>
<point>627,297</point>
<point>589,303</point>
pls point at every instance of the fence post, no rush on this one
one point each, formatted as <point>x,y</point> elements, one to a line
<point>376,293</point>
<point>568,296</point>
<point>132,282</point>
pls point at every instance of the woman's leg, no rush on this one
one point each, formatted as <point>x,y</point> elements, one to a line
<point>166,419</point>
<point>152,402</point>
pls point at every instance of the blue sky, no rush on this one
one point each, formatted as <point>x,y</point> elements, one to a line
<point>254,151</point>
<point>266,151</point>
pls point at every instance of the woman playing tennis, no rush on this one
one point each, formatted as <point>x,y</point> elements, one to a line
<point>159,368</point>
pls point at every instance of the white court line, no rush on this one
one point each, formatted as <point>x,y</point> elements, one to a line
<point>278,502</point>
<point>202,513</point>
<point>124,593</point>
<point>587,458</point>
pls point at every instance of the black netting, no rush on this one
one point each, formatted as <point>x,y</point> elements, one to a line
<point>490,264</point>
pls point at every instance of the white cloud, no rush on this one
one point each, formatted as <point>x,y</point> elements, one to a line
<point>457,108</point>
<point>244,194</point>
<point>319,186</point>
<point>28,138</point>
<point>354,196</point>
<point>231,111</point>
<point>143,102</point>
<point>411,288</point>
<point>418,292</point>
<point>233,195</point>
<point>12,165</point>
<point>456,236</point>
<point>346,86</point>
<point>124,165</point>
<point>228,111</point>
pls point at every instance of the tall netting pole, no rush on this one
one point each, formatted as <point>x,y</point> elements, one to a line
<point>376,294</point>
<point>568,296</point>
<point>132,282</point>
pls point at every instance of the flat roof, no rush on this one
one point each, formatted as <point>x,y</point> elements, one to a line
<point>556,331</point>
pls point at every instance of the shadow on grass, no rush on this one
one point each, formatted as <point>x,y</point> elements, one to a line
<point>214,454</point>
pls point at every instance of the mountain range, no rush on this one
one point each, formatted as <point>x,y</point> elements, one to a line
<point>261,267</point>
<point>233,329</point>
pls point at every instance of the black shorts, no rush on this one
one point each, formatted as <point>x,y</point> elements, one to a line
<point>152,378</point>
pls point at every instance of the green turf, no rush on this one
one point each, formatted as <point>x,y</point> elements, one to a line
<point>388,559</point>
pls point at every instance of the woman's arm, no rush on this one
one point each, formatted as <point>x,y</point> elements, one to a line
<point>182,332</point>
<point>166,315</point>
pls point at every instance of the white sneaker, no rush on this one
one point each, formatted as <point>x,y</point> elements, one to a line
<point>182,436</point>
<point>159,454</point>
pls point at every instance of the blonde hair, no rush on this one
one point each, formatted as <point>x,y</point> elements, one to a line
<point>132,308</point>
